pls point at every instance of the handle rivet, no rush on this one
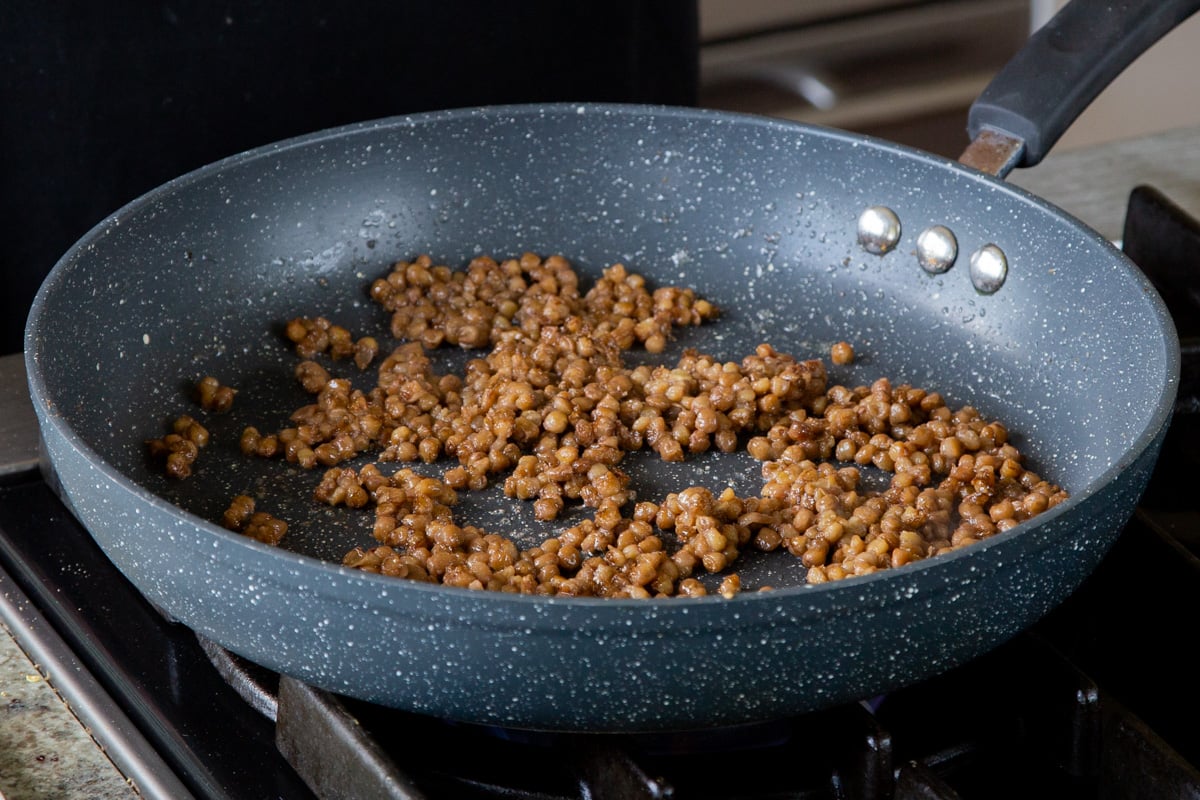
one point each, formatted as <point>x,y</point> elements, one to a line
<point>989,268</point>
<point>878,229</point>
<point>936,249</point>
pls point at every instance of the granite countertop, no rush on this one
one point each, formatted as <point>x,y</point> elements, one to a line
<point>1093,183</point>
<point>47,752</point>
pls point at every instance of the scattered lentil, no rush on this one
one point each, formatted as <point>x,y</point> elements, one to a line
<point>842,353</point>
<point>241,517</point>
<point>319,335</point>
<point>179,448</point>
<point>213,395</point>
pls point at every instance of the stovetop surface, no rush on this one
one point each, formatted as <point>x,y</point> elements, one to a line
<point>153,666</point>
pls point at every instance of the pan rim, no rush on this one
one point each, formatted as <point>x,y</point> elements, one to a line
<point>857,586</point>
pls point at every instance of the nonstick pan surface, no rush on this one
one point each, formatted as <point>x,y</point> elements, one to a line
<point>1075,353</point>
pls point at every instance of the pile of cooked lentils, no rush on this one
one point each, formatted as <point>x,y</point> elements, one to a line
<point>551,408</point>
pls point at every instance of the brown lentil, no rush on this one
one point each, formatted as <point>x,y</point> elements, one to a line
<point>213,395</point>
<point>241,517</point>
<point>318,335</point>
<point>841,353</point>
<point>179,449</point>
<point>552,406</point>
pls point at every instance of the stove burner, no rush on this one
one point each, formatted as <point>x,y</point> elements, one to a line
<point>1023,716</point>
<point>1164,240</point>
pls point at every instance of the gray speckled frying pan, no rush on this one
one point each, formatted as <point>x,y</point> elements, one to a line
<point>1075,352</point>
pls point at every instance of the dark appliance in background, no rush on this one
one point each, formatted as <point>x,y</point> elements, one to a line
<point>902,70</point>
<point>100,103</point>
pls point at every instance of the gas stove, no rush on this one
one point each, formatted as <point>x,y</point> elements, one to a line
<point>1091,702</point>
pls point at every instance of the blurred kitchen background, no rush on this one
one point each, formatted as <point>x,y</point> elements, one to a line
<point>908,71</point>
<point>101,104</point>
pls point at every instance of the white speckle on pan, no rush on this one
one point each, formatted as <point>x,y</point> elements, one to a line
<point>325,261</point>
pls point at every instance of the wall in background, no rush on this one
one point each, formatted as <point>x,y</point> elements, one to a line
<point>1158,92</point>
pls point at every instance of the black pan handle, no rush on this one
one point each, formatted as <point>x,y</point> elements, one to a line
<point>1036,96</point>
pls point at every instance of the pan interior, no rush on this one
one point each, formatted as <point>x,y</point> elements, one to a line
<point>198,278</point>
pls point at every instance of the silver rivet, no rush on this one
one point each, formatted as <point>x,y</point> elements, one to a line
<point>989,268</point>
<point>936,249</point>
<point>878,230</point>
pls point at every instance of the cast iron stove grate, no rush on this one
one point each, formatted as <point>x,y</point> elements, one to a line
<point>1092,703</point>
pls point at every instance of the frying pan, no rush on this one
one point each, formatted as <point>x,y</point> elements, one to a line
<point>1074,352</point>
